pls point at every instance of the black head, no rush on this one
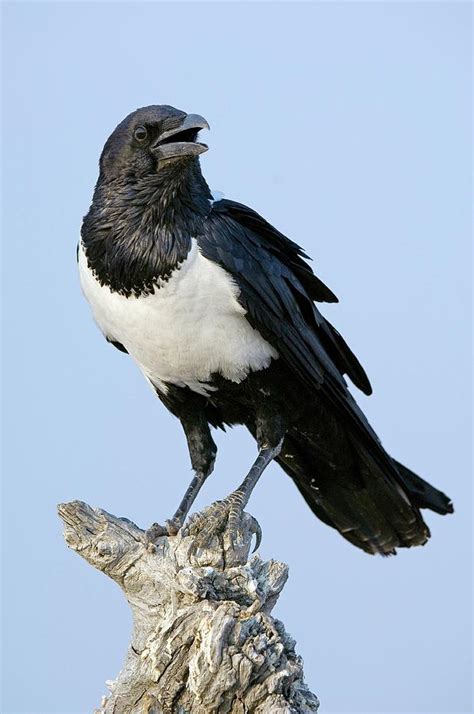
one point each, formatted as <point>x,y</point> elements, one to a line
<point>151,197</point>
<point>149,139</point>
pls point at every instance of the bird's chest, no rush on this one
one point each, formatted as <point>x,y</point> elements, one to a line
<point>190,328</point>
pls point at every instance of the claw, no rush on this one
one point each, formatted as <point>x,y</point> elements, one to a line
<point>256,531</point>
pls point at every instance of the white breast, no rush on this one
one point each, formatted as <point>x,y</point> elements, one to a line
<point>191,327</point>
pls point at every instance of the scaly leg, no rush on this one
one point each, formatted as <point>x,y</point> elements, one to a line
<point>230,510</point>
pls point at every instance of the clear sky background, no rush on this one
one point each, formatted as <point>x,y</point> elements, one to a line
<point>347,126</point>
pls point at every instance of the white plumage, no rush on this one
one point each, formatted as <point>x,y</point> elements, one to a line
<point>191,327</point>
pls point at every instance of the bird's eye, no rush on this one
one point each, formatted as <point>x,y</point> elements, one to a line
<point>141,134</point>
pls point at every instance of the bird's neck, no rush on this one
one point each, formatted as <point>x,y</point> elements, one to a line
<point>138,231</point>
<point>177,197</point>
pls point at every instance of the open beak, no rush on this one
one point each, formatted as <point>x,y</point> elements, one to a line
<point>181,141</point>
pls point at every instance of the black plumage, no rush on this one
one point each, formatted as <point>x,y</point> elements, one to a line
<point>151,202</point>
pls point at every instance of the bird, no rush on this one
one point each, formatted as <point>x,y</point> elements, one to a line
<point>218,310</point>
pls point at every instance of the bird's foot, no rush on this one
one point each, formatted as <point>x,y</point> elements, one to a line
<point>155,531</point>
<point>222,518</point>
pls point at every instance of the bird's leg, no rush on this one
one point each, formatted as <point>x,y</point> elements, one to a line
<point>188,499</point>
<point>241,496</point>
<point>202,451</point>
<point>229,511</point>
<point>269,431</point>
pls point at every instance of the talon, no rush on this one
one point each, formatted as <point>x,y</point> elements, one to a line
<point>256,531</point>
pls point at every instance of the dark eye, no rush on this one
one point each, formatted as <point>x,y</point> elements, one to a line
<point>141,134</point>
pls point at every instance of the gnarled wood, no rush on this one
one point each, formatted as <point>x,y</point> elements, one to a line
<point>203,639</point>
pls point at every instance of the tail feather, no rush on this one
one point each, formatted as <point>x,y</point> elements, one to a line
<point>349,491</point>
<point>422,493</point>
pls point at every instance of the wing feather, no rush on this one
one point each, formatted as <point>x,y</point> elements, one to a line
<point>278,304</point>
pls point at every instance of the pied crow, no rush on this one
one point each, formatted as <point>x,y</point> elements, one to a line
<point>217,309</point>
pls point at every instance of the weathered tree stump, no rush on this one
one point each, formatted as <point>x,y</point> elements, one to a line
<point>203,638</point>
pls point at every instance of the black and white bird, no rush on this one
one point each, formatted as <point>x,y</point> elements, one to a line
<point>217,308</point>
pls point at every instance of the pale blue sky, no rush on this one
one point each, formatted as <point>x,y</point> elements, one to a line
<point>347,126</point>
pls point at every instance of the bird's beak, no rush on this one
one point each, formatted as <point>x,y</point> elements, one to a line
<point>181,141</point>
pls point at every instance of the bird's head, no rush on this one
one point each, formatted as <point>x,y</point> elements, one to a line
<point>151,139</point>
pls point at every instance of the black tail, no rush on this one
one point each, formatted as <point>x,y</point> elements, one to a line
<point>422,493</point>
<point>349,491</point>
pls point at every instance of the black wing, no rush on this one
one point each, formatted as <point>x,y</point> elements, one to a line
<point>277,289</point>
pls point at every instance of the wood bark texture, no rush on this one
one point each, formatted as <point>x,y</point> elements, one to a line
<point>203,638</point>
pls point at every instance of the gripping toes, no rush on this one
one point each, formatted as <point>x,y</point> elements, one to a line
<point>156,530</point>
<point>221,516</point>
